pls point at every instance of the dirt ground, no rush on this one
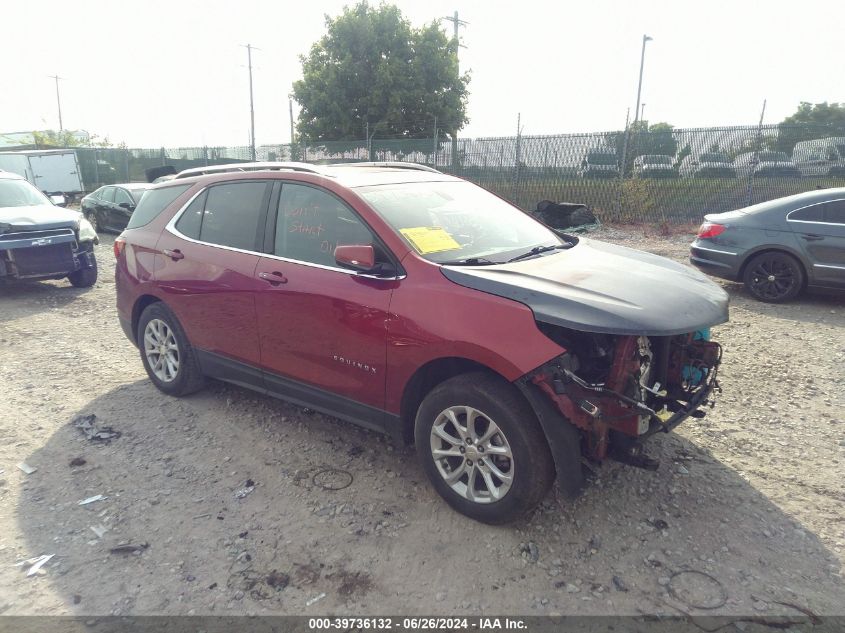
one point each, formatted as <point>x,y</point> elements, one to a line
<point>744,516</point>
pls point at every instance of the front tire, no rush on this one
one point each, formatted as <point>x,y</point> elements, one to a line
<point>166,353</point>
<point>774,277</point>
<point>84,277</point>
<point>92,220</point>
<point>483,449</point>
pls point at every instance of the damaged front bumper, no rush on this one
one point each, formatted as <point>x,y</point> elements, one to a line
<point>652,386</point>
<point>47,254</point>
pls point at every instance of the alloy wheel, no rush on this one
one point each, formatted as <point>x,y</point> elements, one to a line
<point>161,350</point>
<point>472,454</point>
<point>773,278</point>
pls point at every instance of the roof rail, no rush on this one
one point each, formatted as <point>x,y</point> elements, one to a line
<point>391,164</point>
<point>255,166</point>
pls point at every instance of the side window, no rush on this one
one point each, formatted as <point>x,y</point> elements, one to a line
<point>121,196</point>
<point>834,212</point>
<point>107,194</point>
<point>311,222</point>
<point>153,203</point>
<point>232,214</point>
<point>814,213</point>
<point>191,220</point>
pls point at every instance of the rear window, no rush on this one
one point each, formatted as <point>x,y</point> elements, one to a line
<point>232,214</point>
<point>153,203</point>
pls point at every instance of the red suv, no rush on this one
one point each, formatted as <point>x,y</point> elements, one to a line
<point>423,306</point>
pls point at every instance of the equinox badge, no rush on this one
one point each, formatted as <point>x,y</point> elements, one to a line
<point>354,363</point>
<point>42,241</point>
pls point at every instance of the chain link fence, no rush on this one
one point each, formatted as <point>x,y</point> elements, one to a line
<point>643,174</point>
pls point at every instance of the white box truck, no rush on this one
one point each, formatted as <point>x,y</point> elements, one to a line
<point>53,171</point>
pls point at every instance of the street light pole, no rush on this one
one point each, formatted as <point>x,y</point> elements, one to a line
<point>646,38</point>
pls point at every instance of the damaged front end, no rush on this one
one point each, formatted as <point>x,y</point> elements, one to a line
<point>620,389</point>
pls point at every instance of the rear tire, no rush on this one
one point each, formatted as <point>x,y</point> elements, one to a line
<point>166,353</point>
<point>774,277</point>
<point>482,448</point>
<point>84,277</point>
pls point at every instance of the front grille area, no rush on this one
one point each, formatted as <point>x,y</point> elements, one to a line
<point>12,234</point>
<point>43,260</point>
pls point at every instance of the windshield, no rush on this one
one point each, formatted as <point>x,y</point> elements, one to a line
<point>601,158</point>
<point>20,193</point>
<point>456,221</point>
<point>714,158</point>
<point>773,157</point>
<point>657,160</point>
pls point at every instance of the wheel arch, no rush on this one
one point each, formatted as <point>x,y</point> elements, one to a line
<point>141,304</point>
<point>774,249</point>
<point>426,378</point>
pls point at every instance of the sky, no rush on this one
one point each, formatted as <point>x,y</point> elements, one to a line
<point>174,73</point>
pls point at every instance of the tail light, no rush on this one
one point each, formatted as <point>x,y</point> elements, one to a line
<point>119,245</point>
<point>710,229</point>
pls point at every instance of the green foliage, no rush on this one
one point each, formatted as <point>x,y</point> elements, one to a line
<point>373,69</point>
<point>811,121</point>
<point>68,138</point>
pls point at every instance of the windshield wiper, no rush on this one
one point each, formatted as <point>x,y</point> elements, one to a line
<point>537,250</point>
<point>470,261</point>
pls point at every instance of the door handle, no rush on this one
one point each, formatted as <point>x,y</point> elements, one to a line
<point>812,238</point>
<point>174,254</point>
<point>275,278</point>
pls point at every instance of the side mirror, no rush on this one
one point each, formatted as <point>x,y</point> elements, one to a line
<point>357,257</point>
<point>58,200</point>
<point>126,205</point>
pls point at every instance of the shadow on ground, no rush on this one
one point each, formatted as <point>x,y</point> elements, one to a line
<point>228,502</point>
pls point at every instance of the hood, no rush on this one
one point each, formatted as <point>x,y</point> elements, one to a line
<point>601,287</point>
<point>709,165</point>
<point>45,216</point>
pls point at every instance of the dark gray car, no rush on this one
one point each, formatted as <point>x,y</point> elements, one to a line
<point>777,248</point>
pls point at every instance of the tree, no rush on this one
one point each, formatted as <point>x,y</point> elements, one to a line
<point>373,71</point>
<point>811,121</point>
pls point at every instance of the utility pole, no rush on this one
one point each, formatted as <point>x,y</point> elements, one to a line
<point>646,38</point>
<point>757,148</point>
<point>518,154</point>
<point>624,159</point>
<point>456,22</point>
<point>434,148</point>
<point>290,108</point>
<point>249,50</point>
<point>642,113</point>
<point>58,100</point>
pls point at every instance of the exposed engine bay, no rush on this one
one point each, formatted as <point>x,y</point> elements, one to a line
<point>621,389</point>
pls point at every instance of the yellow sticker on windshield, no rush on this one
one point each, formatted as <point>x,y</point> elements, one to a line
<point>429,239</point>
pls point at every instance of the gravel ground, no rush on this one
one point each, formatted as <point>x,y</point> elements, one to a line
<point>227,498</point>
